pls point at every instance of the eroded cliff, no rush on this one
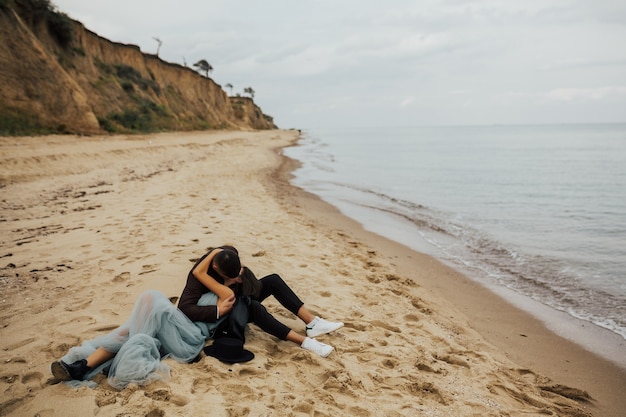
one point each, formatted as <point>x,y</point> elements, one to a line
<point>70,80</point>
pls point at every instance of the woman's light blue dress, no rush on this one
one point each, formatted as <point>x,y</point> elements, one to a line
<point>155,330</point>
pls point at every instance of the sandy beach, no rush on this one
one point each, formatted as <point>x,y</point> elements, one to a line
<point>89,223</point>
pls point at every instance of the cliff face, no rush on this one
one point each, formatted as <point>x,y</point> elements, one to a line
<point>83,83</point>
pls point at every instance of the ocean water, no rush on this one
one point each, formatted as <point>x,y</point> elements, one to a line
<point>538,210</point>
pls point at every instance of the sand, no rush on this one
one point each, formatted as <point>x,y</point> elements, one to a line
<point>88,223</point>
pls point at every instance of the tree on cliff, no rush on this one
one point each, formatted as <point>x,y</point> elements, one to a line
<point>250,91</point>
<point>204,66</point>
<point>160,42</point>
<point>230,87</point>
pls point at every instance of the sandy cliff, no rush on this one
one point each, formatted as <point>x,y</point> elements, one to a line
<point>61,77</point>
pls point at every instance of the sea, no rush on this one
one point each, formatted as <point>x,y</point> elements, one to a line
<point>537,212</point>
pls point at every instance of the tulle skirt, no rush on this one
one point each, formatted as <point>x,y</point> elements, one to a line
<point>155,330</point>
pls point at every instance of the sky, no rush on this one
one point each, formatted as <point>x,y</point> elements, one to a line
<point>365,63</point>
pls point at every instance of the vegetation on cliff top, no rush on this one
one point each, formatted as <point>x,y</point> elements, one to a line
<point>35,12</point>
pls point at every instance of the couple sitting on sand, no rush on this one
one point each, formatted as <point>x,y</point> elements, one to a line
<point>132,353</point>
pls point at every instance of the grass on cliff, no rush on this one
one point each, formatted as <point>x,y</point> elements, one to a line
<point>147,117</point>
<point>130,76</point>
<point>16,122</point>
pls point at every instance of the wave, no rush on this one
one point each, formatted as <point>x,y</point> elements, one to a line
<point>546,279</point>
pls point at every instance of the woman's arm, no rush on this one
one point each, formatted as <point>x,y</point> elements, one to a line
<point>201,272</point>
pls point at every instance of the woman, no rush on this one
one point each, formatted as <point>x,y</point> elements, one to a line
<point>133,352</point>
<point>220,272</point>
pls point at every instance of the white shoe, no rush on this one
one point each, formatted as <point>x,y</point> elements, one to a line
<point>320,326</point>
<point>320,348</point>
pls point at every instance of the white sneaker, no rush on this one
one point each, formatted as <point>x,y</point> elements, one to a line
<point>320,348</point>
<point>320,326</point>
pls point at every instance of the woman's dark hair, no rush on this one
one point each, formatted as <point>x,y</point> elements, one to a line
<point>228,262</point>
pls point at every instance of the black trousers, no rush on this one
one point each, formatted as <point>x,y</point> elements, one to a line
<point>273,285</point>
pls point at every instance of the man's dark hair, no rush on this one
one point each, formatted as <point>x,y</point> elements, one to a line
<point>228,262</point>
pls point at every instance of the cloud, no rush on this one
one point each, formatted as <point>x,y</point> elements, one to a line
<point>407,101</point>
<point>583,94</point>
<point>578,63</point>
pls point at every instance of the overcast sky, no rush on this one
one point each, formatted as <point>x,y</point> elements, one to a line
<point>333,63</point>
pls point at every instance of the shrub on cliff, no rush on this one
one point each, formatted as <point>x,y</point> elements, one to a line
<point>61,27</point>
<point>16,122</point>
<point>36,12</point>
<point>145,117</point>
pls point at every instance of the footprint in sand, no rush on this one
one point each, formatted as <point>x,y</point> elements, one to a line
<point>19,390</point>
<point>119,297</point>
<point>389,363</point>
<point>202,385</point>
<point>425,367</point>
<point>411,317</point>
<point>146,269</point>
<point>159,394</point>
<point>427,390</point>
<point>106,397</point>
<point>386,326</point>
<point>304,356</point>
<point>78,307</point>
<point>452,360</point>
<point>81,321</point>
<point>237,411</point>
<point>157,412</point>
<point>123,277</point>
<point>248,371</point>
<point>32,378</point>
<point>57,350</point>
<point>303,407</point>
<point>341,381</point>
<point>20,344</point>
<point>9,378</point>
<point>358,411</point>
<point>373,278</point>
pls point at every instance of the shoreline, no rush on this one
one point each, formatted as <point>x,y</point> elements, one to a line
<point>520,335</point>
<point>591,336</point>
